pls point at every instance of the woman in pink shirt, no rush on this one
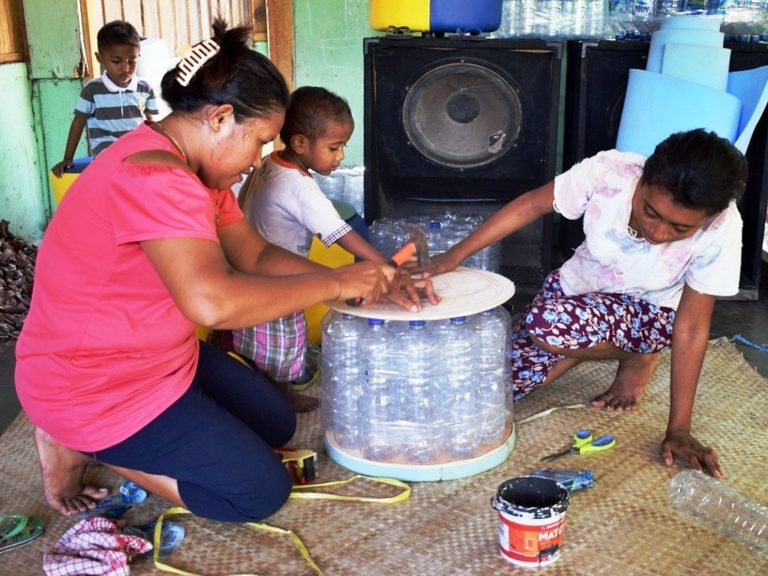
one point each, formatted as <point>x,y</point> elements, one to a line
<point>148,244</point>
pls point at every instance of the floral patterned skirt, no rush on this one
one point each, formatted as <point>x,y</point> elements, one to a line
<point>578,322</point>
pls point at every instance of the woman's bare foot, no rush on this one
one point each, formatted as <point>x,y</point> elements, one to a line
<point>62,470</point>
<point>628,387</point>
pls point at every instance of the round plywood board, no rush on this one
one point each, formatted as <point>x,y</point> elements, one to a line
<point>464,291</point>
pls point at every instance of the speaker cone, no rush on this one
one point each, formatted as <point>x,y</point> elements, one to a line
<point>462,115</point>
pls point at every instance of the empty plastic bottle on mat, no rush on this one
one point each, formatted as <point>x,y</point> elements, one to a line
<point>377,401</point>
<point>342,378</point>
<point>421,431</point>
<point>490,351</point>
<point>458,407</point>
<point>721,507</point>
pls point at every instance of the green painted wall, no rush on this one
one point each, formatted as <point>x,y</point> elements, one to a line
<point>35,111</point>
<point>22,201</point>
<point>37,99</point>
<point>328,52</point>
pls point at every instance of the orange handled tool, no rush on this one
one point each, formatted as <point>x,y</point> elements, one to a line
<point>403,255</point>
<point>417,246</point>
<point>398,259</point>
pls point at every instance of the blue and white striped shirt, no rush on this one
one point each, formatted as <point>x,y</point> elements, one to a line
<point>112,111</point>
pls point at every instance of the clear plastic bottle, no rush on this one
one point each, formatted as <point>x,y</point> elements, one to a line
<point>421,434</point>
<point>434,238</point>
<point>489,354</point>
<point>342,378</point>
<point>458,405</point>
<point>380,235</point>
<point>722,507</point>
<point>506,318</point>
<point>378,409</point>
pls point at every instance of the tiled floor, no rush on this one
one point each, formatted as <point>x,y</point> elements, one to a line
<point>748,318</point>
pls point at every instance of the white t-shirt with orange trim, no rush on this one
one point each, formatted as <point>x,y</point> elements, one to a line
<point>288,208</point>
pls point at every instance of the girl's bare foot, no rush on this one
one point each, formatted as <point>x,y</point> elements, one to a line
<point>632,378</point>
<point>62,470</point>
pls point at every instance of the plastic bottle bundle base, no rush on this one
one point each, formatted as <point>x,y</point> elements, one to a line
<point>425,394</point>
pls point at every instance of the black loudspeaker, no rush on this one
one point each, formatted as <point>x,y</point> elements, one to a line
<point>596,83</point>
<point>461,123</point>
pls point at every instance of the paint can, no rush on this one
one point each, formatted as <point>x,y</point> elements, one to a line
<point>531,520</point>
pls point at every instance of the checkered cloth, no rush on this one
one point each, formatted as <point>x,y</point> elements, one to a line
<point>279,348</point>
<point>94,546</point>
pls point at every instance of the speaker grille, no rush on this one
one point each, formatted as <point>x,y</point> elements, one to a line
<point>462,115</point>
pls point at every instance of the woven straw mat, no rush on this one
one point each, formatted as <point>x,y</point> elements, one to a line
<point>624,525</point>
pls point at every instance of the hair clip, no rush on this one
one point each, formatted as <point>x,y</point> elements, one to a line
<point>192,62</point>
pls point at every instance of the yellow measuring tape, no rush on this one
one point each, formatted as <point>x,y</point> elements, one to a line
<point>297,493</point>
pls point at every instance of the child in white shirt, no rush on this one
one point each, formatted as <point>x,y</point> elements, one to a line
<point>286,205</point>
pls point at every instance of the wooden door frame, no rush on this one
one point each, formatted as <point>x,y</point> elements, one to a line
<point>280,36</point>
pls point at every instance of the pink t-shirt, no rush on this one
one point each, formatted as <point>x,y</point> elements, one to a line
<point>104,348</point>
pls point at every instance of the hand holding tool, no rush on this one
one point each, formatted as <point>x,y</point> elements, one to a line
<point>416,246</point>
<point>584,444</point>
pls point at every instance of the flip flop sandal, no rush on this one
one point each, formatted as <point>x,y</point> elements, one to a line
<point>171,535</point>
<point>305,382</point>
<point>18,529</point>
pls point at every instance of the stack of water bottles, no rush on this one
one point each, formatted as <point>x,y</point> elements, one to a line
<point>443,230</point>
<point>345,185</point>
<point>553,19</point>
<point>742,20</point>
<point>416,392</point>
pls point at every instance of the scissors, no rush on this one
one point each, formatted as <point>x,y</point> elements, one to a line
<point>584,444</point>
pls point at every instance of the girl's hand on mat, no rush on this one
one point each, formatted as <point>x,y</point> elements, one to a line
<point>680,443</point>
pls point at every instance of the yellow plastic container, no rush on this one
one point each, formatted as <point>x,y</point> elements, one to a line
<point>61,185</point>
<point>443,16</point>
<point>411,14</point>
<point>334,256</point>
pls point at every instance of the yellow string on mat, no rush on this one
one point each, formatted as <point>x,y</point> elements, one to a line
<point>298,544</point>
<point>403,495</point>
<point>297,493</point>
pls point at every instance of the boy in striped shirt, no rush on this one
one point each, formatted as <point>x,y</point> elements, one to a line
<point>117,101</point>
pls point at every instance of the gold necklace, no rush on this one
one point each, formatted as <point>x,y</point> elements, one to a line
<point>173,140</point>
